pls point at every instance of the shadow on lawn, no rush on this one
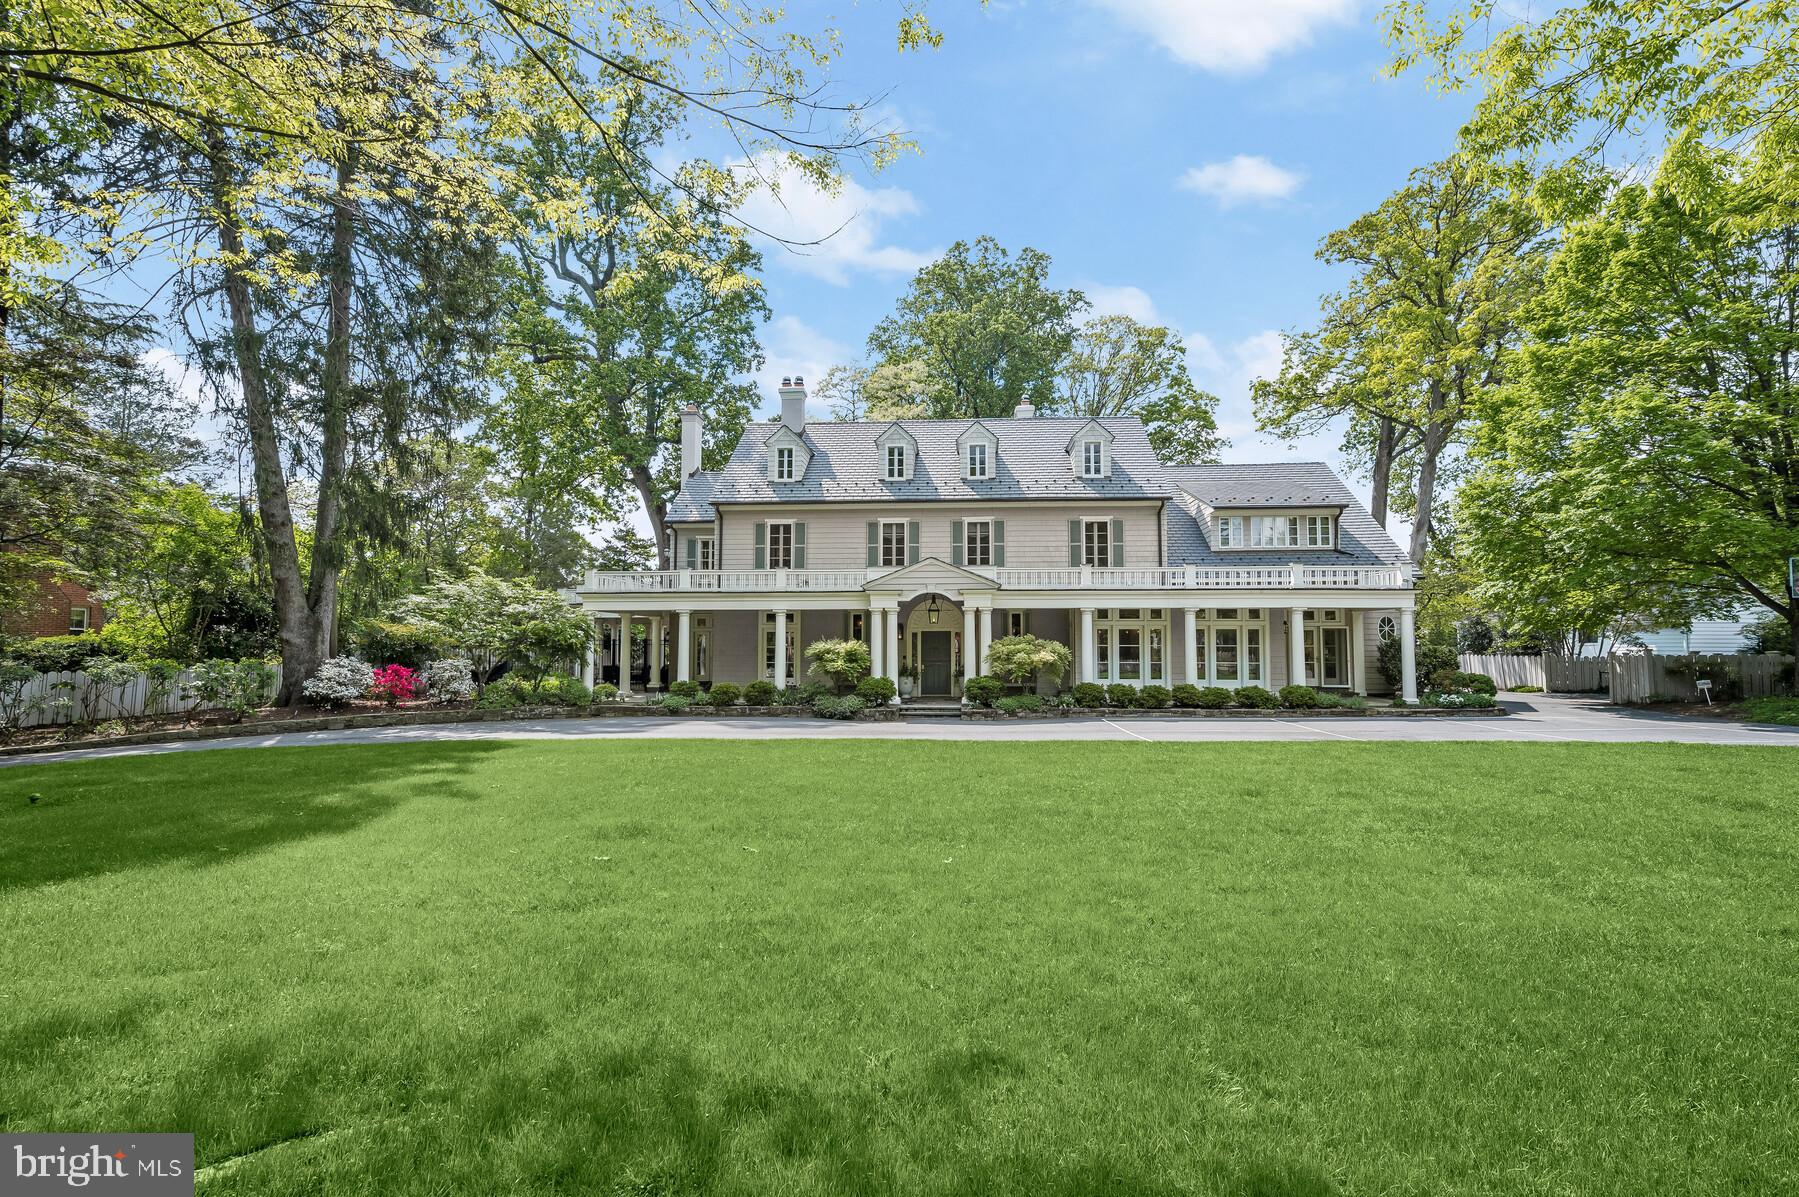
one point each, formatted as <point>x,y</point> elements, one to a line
<point>204,808</point>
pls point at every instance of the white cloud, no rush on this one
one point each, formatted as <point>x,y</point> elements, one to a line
<point>1122,301</point>
<point>1229,35</point>
<point>1228,372</point>
<point>1242,179</point>
<point>832,234</point>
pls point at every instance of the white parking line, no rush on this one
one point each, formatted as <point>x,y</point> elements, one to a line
<point>1322,730</point>
<point>1127,731</point>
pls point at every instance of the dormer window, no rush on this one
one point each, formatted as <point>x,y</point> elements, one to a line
<point>788,456</point>
<point>977,460</point>
<point>896,463</point>
<point>1320,533</point>
<point>784,463</point>
<point>1093,459</point>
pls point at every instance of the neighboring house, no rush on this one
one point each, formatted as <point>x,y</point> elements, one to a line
<point>930,538</point>
<point>58,608</point>
<point>1706,636</point>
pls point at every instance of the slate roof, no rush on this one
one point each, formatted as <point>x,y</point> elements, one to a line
<point>1360,541</point>
<point>1031,462</point>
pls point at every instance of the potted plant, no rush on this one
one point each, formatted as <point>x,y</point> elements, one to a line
<point>908,672</point>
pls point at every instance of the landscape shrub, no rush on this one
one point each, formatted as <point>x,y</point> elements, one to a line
<point>1254,698</point>
<point>686,689</point>
<point>605,692</point>
<point>236,687</point>
<point>1153,698</point>
<point>1455,681</point>
<point>1021,702</point>
<point>831,706</point>
<point>60,654</point>
<point>1347,702</point>
<point>339,681</point>
<point>1089,694</point>
<point>724,694</point>
<point>760,694</point>
<point>161,684</point>
<point>986,690</point>
<point>1455,699</point>
<point>844,662</point>
<point>15,707</point>
<point>499,696</point>
<point>1723,673</point>
<point>1299,698</point>
<point>1185,695</point>
<point>107,680</point>
<point>875,690</point>
<point>401,643</point>
<point>449,680</point>
<point>1780,710</point>
<point>675,704</point>
<point>1400,702</point>
<point>1430,657</point>
<point>1121,694</point>
<point>1022,659</point>
<point>560,690</point>
<point>393,684</point>
<point>1214,698</point>
<point>1526,688</point>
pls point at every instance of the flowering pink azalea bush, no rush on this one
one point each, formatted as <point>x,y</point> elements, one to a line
<point>394,683</point>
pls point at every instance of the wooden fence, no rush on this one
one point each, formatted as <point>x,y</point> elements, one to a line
<point>70,697</point>
<point>1569,675</point>
<point>1638,677</point>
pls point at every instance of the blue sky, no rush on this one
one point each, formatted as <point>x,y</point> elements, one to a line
<point>1178,159</point>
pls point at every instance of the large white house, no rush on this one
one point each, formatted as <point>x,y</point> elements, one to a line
<point>930,538</point>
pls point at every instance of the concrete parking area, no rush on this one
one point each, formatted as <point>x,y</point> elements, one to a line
<point>1536,717</point>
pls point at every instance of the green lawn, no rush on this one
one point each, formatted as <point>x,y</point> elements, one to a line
<point>833,968</point>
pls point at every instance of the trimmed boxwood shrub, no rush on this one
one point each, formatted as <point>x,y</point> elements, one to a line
<point>1021,702</point>
<point>983,691</point>
<point>1214,698</point>
<point>1186,696</point>
<point>1298,698</point>
<point>873,690</point>
<point>685,689</point>
<point>724,694</point>
<point>760,693</point>
<point>558,691</point>
<point>831,706</point>
<point>605,692</point>
<point>674,704</point>
<point>1437,698</point>
<point>1089,694</point>
<point>1153,698</point>
<point>1121,694</point>
<point>1255,698</point>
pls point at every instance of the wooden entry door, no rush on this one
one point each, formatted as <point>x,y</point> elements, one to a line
<point>934,664</point>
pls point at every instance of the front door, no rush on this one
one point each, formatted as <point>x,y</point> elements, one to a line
<point>934,664</point>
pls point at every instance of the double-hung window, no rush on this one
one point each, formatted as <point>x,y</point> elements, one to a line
<point>704,548</point>
<point>893,542</point>
<point>1093,459</point>
<point>977,460</point>
<point>1319,533</point>
<point>79,621</point>
<point>977,542</point>
<point>1096,543</point>
<point>784,463</point>
<point>780,546</point>
<point>1274,531</point>
<point>896,463</point>
<point>1230,532</point>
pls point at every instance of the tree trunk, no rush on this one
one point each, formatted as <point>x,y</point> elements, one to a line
<point>1386,436</point>
<point>296,625</point>
<point>657,510</point>
<point>327,558</point>
<point>1435,436</point>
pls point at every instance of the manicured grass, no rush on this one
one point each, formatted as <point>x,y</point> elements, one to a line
<point>932,968</point>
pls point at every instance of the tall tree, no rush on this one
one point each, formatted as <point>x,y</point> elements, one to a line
<point>1443,267</point>
<point>1650,440</point>
<point>987,329</point>
<point>1118,367</point>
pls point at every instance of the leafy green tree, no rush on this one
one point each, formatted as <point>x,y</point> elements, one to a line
<point>1118,367</point>
<point>986,328</point>
<point>496,621</point>
<point>1422,330</point>
<point>1649,443</point>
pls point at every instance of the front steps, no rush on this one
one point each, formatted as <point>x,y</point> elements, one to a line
<point>930,708</point>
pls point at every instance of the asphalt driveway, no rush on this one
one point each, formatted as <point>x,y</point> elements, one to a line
<point>1537,717</point>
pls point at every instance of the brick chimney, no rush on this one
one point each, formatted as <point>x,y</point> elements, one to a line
<point>793,403</point>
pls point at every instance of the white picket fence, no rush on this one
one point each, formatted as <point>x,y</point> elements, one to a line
<point>1638,677</point>
<point>131,700</point>
<point>1567,675</point>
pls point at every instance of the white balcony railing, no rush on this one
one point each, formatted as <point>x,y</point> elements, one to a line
<point>1201,577</point>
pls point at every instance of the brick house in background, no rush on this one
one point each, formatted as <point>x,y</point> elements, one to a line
<point>59,608</point>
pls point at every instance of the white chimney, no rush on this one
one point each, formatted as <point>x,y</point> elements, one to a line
<point>1024,411</point>
<point>793,403</point>
<point>692,426</point>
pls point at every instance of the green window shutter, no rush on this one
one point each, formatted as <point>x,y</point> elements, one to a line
<point>761,545</point>
<point>1117,542</point>
<point>799,544</point>
<point>1074,544</point>
<point>955,542</point>
<point>911,542</point>
<point>874,542</point>
<point>693,553</point>
<point>999,542</point>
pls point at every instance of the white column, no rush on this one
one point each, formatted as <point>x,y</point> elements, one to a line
<point>876,642</point>
<point>684,648</point>
<point>653,657</point>
<point>587,661</point>
<point>1408,655</point>
<point>891,654</point>
<point>984,628</point>
<point>1296,646</point>
<point>621,649</point>
<point>1190,641</point>
<point>970,652</point>
<point>780,678</point>
<point>1089,657</point>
